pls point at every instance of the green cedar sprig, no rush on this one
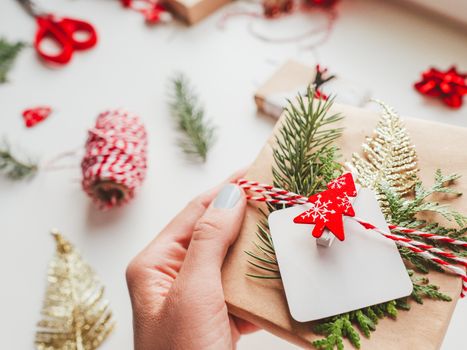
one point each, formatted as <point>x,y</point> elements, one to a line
<point>14,168</point>
<point>190,118</point>
<point>8,53</point>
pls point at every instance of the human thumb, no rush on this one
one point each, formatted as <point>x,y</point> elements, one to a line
<point>215,231</point>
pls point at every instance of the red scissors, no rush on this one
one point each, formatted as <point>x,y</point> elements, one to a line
<point>61,30</point>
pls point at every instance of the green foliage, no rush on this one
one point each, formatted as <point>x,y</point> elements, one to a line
<point>422,289</point>
<point>304,157</point>
<point>404,212</point>
<point>8,53</point>
<point>334,332</point>
<point>189,116</point>
<point>12,167</point>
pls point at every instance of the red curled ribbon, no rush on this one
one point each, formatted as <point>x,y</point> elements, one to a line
<point>449,86</point>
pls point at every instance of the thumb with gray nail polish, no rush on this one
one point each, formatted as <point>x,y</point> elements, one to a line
<point>216,230</point>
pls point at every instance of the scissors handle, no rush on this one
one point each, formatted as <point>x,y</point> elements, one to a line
<point>62,31</point>
<point>72,26</point>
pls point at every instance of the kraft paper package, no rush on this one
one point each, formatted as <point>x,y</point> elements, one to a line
<point>263,302</point>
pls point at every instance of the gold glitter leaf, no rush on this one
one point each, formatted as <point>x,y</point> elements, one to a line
<point>389,158</point>
<point>75,314</point>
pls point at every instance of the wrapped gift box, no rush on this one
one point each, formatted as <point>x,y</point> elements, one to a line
<point>454,10</point>
<point>193,11</point>
<point>263,302</point>
<point>294,77</point>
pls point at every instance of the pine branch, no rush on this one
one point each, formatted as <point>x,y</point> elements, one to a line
<point>189,116</point>
<point>8,53</point>
<point>14,168</point>
<point>304,157</point>
<point>304,162</point>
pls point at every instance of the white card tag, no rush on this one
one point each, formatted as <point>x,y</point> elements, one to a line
<point>363,270</point>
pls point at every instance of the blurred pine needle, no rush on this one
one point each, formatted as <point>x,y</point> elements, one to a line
<point>190,118</point>
<point>8,53</point>
<point>12,167</point>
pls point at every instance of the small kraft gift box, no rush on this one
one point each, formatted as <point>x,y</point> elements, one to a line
<point>193,11</point>
<point>264,301</point>
<point>294,77</point>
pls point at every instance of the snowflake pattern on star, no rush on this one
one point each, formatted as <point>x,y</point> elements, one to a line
<point>319,210</point>
<point>337,183</point>
<point>344,202</point>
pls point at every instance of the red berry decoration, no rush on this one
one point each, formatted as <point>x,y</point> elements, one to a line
<point>33,116</point>
<point>449,86</point>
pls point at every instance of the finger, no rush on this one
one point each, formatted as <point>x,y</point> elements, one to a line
<point>244,327</point>
<point>180,228</point>
<point>214,232</point>
<point>167,251</point>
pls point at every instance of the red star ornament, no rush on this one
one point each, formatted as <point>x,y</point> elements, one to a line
<point>329,207</point>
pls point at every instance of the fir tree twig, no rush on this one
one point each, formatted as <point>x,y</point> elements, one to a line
<point>8,53</point>
<point>12,167</point>
<point>190,119</point>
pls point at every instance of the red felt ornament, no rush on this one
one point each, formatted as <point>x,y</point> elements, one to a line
<point>329,207</point>
<point>33,116</point>
<point>449,86</point>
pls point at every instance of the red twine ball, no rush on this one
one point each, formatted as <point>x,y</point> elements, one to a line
<point>114,164</point>
<point>449,86</point>
<point>33,116</point>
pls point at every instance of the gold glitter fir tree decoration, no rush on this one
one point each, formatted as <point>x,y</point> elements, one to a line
<point>75,314</point>
<point>389,157</point>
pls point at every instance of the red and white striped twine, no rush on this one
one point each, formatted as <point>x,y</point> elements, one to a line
<point>114,164</point>
<point>275,195</point>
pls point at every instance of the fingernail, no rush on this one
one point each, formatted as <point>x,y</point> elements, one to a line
<point>227,197</point>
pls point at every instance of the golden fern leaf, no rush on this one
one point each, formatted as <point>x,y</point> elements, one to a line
<point>389,157</point>
<point>75,315</point>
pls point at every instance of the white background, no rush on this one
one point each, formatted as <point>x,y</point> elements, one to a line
<point>379,45</point>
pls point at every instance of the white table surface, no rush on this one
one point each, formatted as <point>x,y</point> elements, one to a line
<point>377,44</point>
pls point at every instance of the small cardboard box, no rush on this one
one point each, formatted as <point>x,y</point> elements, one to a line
<point>294,77</point>
<point>193,11</point>
<point>263,302</point>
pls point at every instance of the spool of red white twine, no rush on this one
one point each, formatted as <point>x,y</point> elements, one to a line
<point>114,164</point>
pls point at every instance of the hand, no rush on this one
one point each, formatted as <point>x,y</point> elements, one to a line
<point>175,282</point>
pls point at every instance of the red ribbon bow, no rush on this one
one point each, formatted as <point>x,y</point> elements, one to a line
<point>329,207</point>
<point>449,86</point>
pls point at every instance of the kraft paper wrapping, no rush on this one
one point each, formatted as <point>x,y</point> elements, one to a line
<point>289,78</point>
<point>263,302</point>
<point>293,77</point>
<point>193,11</point>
